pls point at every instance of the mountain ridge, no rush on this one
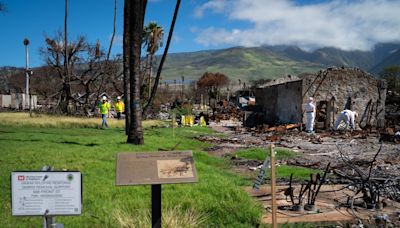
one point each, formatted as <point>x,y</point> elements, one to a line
<point>270,62</point>
<point>251,63</point>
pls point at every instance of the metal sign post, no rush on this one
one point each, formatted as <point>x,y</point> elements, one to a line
<point>156,205</point>
<point>46,193</point>
<point>48,221</point>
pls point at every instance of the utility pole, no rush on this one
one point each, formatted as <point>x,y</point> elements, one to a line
<point>66,37</point>
<point>27,94</point>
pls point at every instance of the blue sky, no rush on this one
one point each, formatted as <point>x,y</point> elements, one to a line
<point>206,24</point>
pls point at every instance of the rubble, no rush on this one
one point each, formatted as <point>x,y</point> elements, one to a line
<point>340,199</point>
<point>359,181</point>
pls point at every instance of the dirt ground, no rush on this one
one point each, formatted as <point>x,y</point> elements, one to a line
<point>327,209</point>
<point>316,151</point>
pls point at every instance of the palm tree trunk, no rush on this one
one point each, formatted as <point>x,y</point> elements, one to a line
<point>150,72</point>
<point>113,33</point>
<point>126,48</point>
<point>164,56</point>
<point>137,13</point>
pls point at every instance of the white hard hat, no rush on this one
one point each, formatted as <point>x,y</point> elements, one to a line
<point>104,98</point>
<point>118,98</point>
<point>310,99</point>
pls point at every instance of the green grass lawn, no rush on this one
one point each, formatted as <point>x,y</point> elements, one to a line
<point>217,199</point>
<point>257,153</point>
<point>283,171</point>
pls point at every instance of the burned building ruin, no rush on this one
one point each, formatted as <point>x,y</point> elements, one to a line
<point>333,90</point>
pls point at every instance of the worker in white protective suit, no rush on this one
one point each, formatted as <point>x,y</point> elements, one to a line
<point>309,109</point>
<point>348,117</point>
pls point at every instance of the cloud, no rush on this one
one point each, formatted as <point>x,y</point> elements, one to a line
<point>216,6</point>
<point>193,29</point>
<point>345,24</point>
<point>176,39</point>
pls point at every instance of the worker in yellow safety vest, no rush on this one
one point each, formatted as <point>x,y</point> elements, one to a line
<point>202,121</point>
<point>119,107</point>
<point>104,107</point>
<point>183,121</point>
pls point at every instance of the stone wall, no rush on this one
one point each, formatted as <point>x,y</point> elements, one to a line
<point>333,90</point>
<point>349,88</point>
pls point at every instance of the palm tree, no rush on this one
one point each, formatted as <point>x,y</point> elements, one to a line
<point>134,19</point>
<point>164,56</point>
<point>126,47</point>
<point>152,39</point>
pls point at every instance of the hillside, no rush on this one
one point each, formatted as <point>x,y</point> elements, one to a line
<point>332,57</point>
<point>392,60</point>
<point>266,62</point>
<point>237,63</point>
<point>275,61</point>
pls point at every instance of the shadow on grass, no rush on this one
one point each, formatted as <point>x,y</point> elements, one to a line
<point>64,142</point>
<point>80,144</point>
<point>6,132</point>
<point>22,140</point>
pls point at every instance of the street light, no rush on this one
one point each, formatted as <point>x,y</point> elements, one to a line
<point>26,43</point>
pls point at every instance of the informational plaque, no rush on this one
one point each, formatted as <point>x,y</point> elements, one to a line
<point>46,193</point>
<point>167,167</point>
